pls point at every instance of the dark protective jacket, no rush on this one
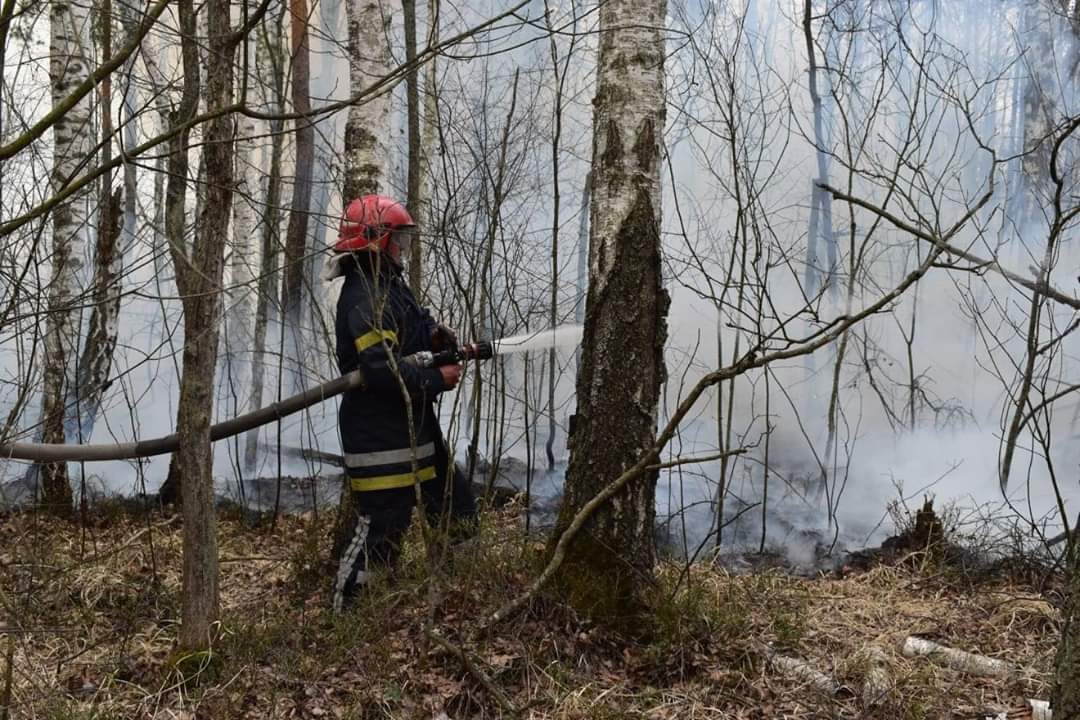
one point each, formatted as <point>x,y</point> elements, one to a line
<point>378,316</point>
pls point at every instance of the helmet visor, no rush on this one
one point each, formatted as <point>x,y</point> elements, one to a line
<point>404,237</point>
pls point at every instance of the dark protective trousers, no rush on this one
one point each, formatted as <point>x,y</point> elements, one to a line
<point>381,517</point>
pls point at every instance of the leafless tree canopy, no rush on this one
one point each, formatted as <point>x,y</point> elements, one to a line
<point>862,213</point>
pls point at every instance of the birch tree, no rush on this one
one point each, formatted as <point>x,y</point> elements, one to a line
<point>97,354</point>
<point>422,203</point>
<point>366,128</point>
<point>1039,113</point>
<point>242,267</point>
<point>70,64</point>
<point>368,124</point>
<point>622,369</point>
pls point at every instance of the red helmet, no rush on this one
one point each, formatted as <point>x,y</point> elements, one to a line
<point>369,224</point>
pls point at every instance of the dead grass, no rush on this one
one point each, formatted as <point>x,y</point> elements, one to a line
<point>97,612</point>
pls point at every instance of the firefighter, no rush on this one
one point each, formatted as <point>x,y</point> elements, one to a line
<point>379,325</point>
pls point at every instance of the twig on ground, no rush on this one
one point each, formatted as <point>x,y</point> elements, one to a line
<point>481,677</point>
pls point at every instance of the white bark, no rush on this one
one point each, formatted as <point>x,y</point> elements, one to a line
<point>101,334</point>
<point>1033,710</point>
<point>368,124</point>
<point>802,672</point>
<point>244,259</point>
<point>622,367</point>
<point>431,110</point>
<point>877,680</point>
<point>69,65</point>
<point>957,659</point>
<point>631,60</point>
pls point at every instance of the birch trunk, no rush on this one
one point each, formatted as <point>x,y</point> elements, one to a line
<point>241,315</point>
<point>104,324</point>
<point>199,277</point>
<point>325,83</point>
<point>818,275</point>
<point>101,333</point>
<point>1040,113</point>
<point>427,142</point>
<point>368,124</point>
<point>965,662</point>
<point>606,567</point>
<point>366,129</point>
<point>70,64</point>
<point>582,280</point>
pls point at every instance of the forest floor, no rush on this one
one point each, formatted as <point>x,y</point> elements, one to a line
<point>96,607</point>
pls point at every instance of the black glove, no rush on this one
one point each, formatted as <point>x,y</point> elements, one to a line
<point>442,338</point>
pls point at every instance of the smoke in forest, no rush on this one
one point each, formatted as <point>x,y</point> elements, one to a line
<point>918,109</point>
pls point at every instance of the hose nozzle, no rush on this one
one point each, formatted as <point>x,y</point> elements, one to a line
<point>479,350</point>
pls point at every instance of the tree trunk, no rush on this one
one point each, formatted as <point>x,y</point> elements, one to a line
<point>269,57</point>
<point>1066,697</point>
<point>412,95</point>
<point>607,565</point>
<point>325,83</point>
<point>176,188</point>
<point>422,203</point>
<point>296,233</point>
<point>818,276</point>
<point>244,260</point>
<point>1040,102</point>
<point>71,61</point>
<point>97,353</point>
<point>368,125</point>
<point>582,280</point>
<point>366,130</point>
<point>199,277</point>
<point>101,333</point>
<point>553,307</point>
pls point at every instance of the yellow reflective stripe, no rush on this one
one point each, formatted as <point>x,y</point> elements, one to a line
<point>375,336</point>
<point>387,482</point>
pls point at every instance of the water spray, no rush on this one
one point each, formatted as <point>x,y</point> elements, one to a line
<point>485,350</point>
<point>562,336</point>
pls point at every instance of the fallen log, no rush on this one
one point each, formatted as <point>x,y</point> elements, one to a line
<point>1033,710</point>
<point>800,671</point>
<point>965,662</point>
<point>877,681</point>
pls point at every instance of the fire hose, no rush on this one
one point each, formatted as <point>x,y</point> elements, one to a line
<point>63,452</point>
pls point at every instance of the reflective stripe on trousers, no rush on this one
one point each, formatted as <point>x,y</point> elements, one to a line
<point>348,561</point>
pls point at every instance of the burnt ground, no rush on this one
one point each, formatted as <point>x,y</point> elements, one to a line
<point>91,614</point>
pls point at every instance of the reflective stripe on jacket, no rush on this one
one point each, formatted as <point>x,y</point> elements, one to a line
<point>379,322</point>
